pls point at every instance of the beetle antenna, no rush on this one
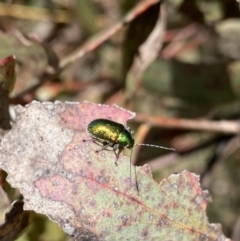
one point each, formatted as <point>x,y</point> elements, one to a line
<point>135,172</point>
<point>160,147</point>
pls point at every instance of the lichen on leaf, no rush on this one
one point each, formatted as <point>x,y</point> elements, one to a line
<point>65,178</point>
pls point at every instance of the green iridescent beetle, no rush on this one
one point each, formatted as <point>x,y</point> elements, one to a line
<point>111,134</point>
<point>116,136</point>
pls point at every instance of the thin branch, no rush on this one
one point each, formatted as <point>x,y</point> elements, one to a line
<point>229,127</point>
<point>101,37</point>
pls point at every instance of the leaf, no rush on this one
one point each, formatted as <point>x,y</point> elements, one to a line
<point>7,73</point>
<point>16,220</point>
<point>83,191</point>
<point>180,80</point>
<point>7,81</point>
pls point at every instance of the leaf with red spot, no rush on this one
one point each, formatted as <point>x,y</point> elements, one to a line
<point>85,192</point>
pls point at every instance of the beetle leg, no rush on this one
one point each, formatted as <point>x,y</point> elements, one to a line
<point>86,140</point>
<point>105,146</point>
<point>117,149</point>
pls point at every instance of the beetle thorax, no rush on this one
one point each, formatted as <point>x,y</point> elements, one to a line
<point>125,139</point>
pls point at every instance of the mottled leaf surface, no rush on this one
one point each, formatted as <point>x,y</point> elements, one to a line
<point>63,177</point>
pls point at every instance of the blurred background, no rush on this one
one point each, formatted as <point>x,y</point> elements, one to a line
<point>175,63</point>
